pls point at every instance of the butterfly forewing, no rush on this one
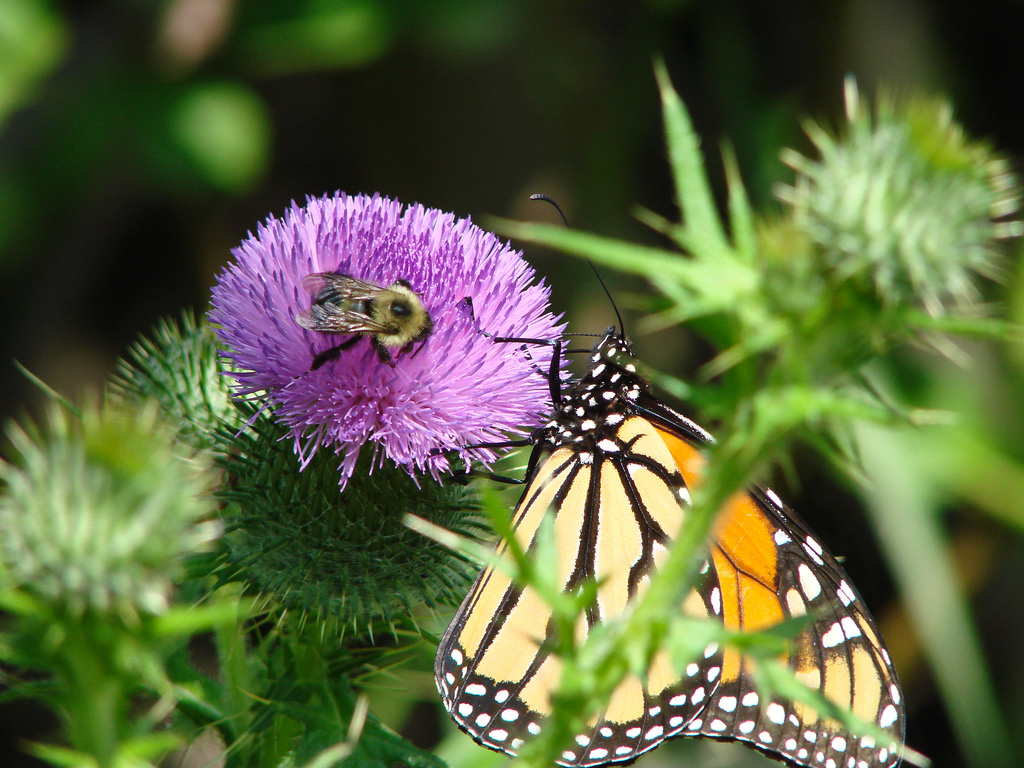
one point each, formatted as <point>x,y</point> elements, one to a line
<point>494,666</point>
<point>616,466</point>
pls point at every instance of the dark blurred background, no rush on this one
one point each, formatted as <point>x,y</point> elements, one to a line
<point>139,142</point>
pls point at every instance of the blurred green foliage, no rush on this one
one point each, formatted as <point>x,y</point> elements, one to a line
<point>138,142</point>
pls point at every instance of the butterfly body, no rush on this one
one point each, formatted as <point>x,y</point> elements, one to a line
<point>617,465</point>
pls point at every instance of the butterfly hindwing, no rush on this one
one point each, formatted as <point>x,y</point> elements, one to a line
<point>839,652</point>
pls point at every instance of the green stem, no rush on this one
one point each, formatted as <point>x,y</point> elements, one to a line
<point>95,700</point>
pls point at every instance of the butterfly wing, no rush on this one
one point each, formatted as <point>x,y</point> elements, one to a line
<point>494,667</point>
<point>616,471</point>
<point>769,568</point>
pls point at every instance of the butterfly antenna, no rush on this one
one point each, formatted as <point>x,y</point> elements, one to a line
<point>618,316</point>
<point>546,199</point>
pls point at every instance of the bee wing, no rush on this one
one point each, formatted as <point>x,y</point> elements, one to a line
<point>331,318</point>
<point>332,287</point>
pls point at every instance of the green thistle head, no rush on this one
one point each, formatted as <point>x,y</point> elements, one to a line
<point>98,511</point>
<point>178,366</point>
<point>902,205</point>
<point>344,558</point>
<point>292,537</point>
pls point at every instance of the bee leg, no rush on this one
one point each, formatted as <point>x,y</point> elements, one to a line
<point>331,354</point>
<point>410,345</point>
<point>383,354</point>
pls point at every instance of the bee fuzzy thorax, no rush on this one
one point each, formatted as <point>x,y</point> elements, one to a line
<point>400,309</point>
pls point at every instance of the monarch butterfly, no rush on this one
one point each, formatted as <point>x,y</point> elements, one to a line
<point>615,464</point>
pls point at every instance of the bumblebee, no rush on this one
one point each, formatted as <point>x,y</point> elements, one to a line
<point>393,317</point>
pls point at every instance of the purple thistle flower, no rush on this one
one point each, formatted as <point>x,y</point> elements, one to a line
<point>454,389</point>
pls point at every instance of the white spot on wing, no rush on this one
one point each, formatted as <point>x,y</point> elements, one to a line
<point>833,637</point>
<point>809,583</point>
<point>795,603</point>
<point>888,716</point>
<point>850,628</point>
<point>813,548</point>
<point>846,595</point>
